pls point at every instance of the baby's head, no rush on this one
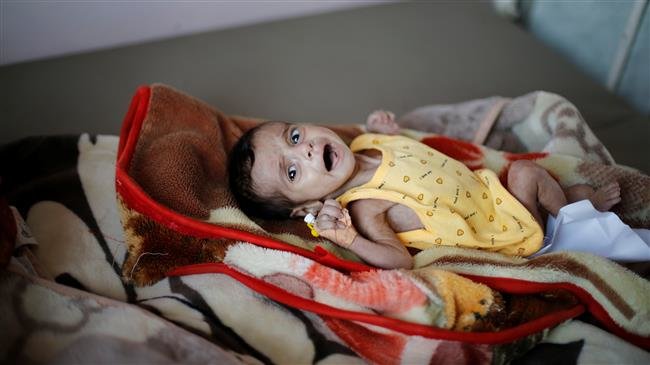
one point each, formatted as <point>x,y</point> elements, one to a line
<point>278,170</point>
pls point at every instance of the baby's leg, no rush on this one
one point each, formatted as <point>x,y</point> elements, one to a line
<point>603,198</point>
<point>532,185</point>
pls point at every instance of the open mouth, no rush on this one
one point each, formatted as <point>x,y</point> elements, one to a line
<point>328,157</point>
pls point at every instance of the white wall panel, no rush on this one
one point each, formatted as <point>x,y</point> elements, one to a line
<point>31,30</point>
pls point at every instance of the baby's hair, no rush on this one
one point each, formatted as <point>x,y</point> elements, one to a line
<point>242,186</point>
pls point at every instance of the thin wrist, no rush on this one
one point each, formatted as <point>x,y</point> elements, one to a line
<point>355,237</point>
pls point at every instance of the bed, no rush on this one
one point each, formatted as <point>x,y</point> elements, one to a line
<point>146,221</point>
<point>82,297</point>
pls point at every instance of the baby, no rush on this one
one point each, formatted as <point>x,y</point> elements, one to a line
<point>385,192</point>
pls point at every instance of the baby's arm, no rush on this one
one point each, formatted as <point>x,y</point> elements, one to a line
<point>381,121</point>
<point>377,245</point>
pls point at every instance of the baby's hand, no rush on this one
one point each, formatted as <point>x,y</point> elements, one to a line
<point>381,121</point>
<point>334,223</point>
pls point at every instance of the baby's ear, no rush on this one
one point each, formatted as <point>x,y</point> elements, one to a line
<point>303,209</point>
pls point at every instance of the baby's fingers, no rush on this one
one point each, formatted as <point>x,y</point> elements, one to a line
<point>324,218</point>
<point>326,225</point>
<point>331,203</point>
<point>341,225</point>
<point>334,212</point>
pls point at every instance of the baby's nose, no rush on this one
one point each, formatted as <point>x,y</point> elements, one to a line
<point>309,149</point>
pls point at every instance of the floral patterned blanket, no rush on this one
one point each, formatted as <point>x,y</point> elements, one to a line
<point>77,278</point>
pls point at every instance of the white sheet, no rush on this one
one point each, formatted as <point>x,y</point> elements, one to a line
<point>580,227</point>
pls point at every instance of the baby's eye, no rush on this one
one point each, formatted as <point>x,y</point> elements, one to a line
<point>295,136</point>
<point>292,172</point>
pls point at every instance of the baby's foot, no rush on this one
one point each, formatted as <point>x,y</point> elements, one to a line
<point>381,121</point>
<point>606,197</point>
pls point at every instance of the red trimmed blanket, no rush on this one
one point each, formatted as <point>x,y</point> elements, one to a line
<point>267,291</point>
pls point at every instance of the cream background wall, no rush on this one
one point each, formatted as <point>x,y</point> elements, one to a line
<point>32,30</point>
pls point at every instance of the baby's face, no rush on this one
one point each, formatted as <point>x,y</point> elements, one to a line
<point>303,162</point>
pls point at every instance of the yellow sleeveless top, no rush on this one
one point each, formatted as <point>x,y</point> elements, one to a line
<point>456,206</point>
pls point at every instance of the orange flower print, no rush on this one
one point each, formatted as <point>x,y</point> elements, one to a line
<point>460,232</point>
<point>439,180</point>
<point>491,218</point>
<point>391,164</point>
<point>499,201</point>
<point>468,194</point>
<point>406,179</point>
<point>504,228</point>
<point>485,196</point>
<point>438,240</point>
<point>429,213</point>
<point>421,196</point>
<point>424,162</point>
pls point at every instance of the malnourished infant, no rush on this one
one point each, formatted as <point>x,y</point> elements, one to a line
<point>385,192</point>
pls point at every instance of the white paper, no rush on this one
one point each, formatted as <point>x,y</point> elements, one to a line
<point>580,227</point>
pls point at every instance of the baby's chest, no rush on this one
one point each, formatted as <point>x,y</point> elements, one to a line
<point>428,183</point>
